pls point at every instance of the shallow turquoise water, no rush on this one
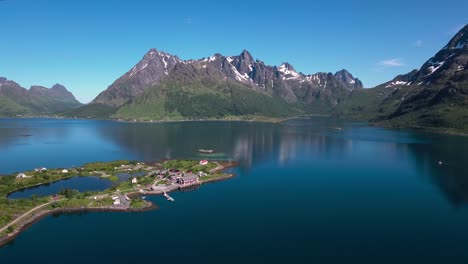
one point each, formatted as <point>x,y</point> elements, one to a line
<point>305,192</point>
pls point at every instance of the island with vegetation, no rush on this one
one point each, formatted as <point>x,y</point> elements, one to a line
<point>126,193</point>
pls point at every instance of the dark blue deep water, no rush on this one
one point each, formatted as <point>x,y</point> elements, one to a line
<point>305,192</point>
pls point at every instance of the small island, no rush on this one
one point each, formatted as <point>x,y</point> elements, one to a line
<point>126,194</point>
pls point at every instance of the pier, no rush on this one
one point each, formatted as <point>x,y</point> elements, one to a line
<point>168,197</point>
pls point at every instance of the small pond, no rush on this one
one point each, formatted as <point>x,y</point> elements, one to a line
<point>126,176</point>
<point>82,184</point>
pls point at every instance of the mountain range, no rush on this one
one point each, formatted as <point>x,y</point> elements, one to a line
<point>38,100</point>
<point>161,86</point>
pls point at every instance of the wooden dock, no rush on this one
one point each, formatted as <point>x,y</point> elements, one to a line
<point>169,198</point>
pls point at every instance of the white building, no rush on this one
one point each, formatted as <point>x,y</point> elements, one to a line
<point>134,181</point>
<point>20,176</point>
<point>64,171</point>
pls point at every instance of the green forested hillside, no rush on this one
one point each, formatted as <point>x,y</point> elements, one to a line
<point>195,101</point>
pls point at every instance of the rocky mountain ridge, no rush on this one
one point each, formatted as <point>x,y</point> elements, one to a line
<point>156,66</point>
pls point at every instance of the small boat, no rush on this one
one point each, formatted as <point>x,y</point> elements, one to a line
<point>144,197</point>
<point>206,151</point>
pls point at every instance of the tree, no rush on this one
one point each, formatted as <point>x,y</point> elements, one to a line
<point>68,193</point>
<point>10,229</point>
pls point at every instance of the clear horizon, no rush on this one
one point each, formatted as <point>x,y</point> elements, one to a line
<point>86,46</point>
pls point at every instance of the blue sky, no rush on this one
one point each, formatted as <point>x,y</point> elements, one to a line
<point>86,45</point>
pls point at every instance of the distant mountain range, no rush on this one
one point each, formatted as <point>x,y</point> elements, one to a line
<point>164,87</point>
<point>18,101</point>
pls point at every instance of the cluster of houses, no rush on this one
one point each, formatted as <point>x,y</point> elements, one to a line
<point>186,178</point>
<point>178,177</point>
<point>190,178</point>
<point>45,169</point>
<point>116,200</point>
<point>130,167</point>
<point>23,175</point>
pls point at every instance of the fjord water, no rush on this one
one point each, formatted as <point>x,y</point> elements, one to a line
<point>313,190</point>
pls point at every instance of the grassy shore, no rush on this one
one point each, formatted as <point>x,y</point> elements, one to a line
<point>18,214</point>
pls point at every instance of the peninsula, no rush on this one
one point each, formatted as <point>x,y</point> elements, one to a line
<point>131,181</point>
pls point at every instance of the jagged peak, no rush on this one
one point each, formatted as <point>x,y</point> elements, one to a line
<point>245,55</point>
<point>213,57</point>
<point>345,76</point>
<point>288,70</point>
<point>286,66</point>
<point>343,71</point>
<point>153,53</point>
<point>348,79</point>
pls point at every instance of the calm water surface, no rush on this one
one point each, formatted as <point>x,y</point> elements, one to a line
<point>82,184</point>
<point>305,192</point>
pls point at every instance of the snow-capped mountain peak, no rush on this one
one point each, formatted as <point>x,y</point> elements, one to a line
<point>288,71</point>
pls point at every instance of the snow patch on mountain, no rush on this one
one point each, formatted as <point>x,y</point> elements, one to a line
<point>434,67</point>
<point>239,76</point>
<point>288,72</point>
<point>396,83</point>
